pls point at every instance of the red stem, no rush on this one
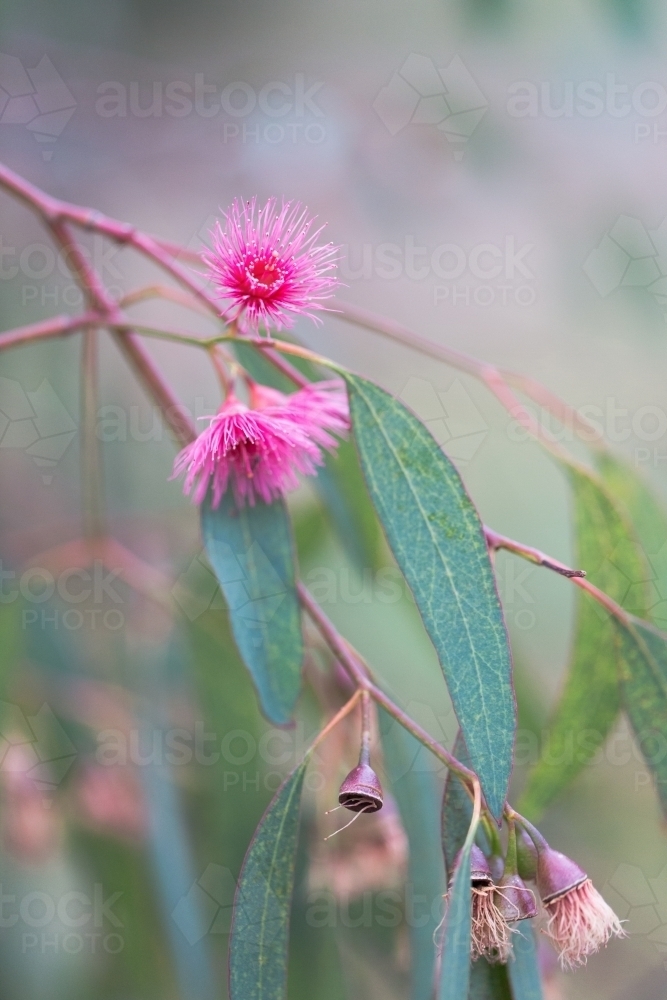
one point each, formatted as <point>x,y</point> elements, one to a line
<point>57,326</point>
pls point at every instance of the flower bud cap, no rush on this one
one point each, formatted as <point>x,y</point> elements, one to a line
<point>556,874</point>
<point>361,790</point>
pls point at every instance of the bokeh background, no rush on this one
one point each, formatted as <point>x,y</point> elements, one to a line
<point>495,173</point>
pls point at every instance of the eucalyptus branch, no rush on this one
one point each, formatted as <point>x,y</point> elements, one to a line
<point>353,663</point>
<point>54,212</point>
<point>57,326</point>
<point>92,491</point>
<point>496,541</point>
<point>578,576</point>
<point>164,292</point>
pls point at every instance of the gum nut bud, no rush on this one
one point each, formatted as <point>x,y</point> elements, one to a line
<point>361,791</point>
<point>556,874</point>
<point>515,900</point>
<point>526,856</point>
<point>480,870</point>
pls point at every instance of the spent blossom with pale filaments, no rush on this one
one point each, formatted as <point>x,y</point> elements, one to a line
<point>267,263</point>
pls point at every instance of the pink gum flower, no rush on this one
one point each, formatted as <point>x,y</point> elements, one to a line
<point>259,452</point>
<point>267,262</point>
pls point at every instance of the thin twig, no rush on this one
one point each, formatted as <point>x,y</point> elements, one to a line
<point>496,541</point>
<point>92,491</point>
<point>353,664</point>
<point>57,326</point>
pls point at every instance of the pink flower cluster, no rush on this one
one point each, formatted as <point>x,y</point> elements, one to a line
<point>260,451</point>
<point>267,262</point>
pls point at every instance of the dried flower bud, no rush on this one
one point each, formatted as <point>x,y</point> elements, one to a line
<point>361,791</point>
<point>480,869</point>
<point>490,935</point>
<point>515,900</point>
<point>580,921</point>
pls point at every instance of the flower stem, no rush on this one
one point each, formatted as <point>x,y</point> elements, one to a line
<point>92,492</point>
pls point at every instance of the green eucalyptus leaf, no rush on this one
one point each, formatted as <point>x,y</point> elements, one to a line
<point>259,935</point>
<point>590,702</point>
<point>256,363</point>
<point>416,794</point>
<point>650,522</point>
<point>524,969</point>
<point>456,811</point>
<point>251,552</point>
<point>340,486</point>
<point>455,969</point>
<point>643,667</point>
<point>438,542</point>
<point>487,982</point>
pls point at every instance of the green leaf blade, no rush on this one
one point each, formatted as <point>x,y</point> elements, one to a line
<point>415,792</point>
<point>590,701</point>
<point>643,668</point>
<point>251,552</point>
<point>438,542</point>
<point>259,935</point>
<point>524,969</point>
<point>649,520</point>
<point>455,972</point>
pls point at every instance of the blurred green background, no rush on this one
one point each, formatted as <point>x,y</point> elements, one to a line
<point>495,173</point>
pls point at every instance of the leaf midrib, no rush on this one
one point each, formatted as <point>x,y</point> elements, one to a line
<point>442,558</point>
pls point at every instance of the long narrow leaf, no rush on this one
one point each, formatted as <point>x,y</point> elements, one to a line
<point>455,971</point>
<point>524,969</point>
<point>251,552</point>
<point>438,541</point>
<point>590,702</point>
<point>643,665</point>
<point>649,520</point>
<point>487,982</point>
<point>260,925</point>
<point>417,796</point>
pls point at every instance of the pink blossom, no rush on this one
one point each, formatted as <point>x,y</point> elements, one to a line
<point>580,923</point>
<point>267,262</point>
<point>317,408</point>
<point>260,451</point>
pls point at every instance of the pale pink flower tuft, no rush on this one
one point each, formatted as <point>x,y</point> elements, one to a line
<point>319,408</point>
<point>259,452</point>
<point>580,923</point>
<point>490,934</point>
<point>268,263</point>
